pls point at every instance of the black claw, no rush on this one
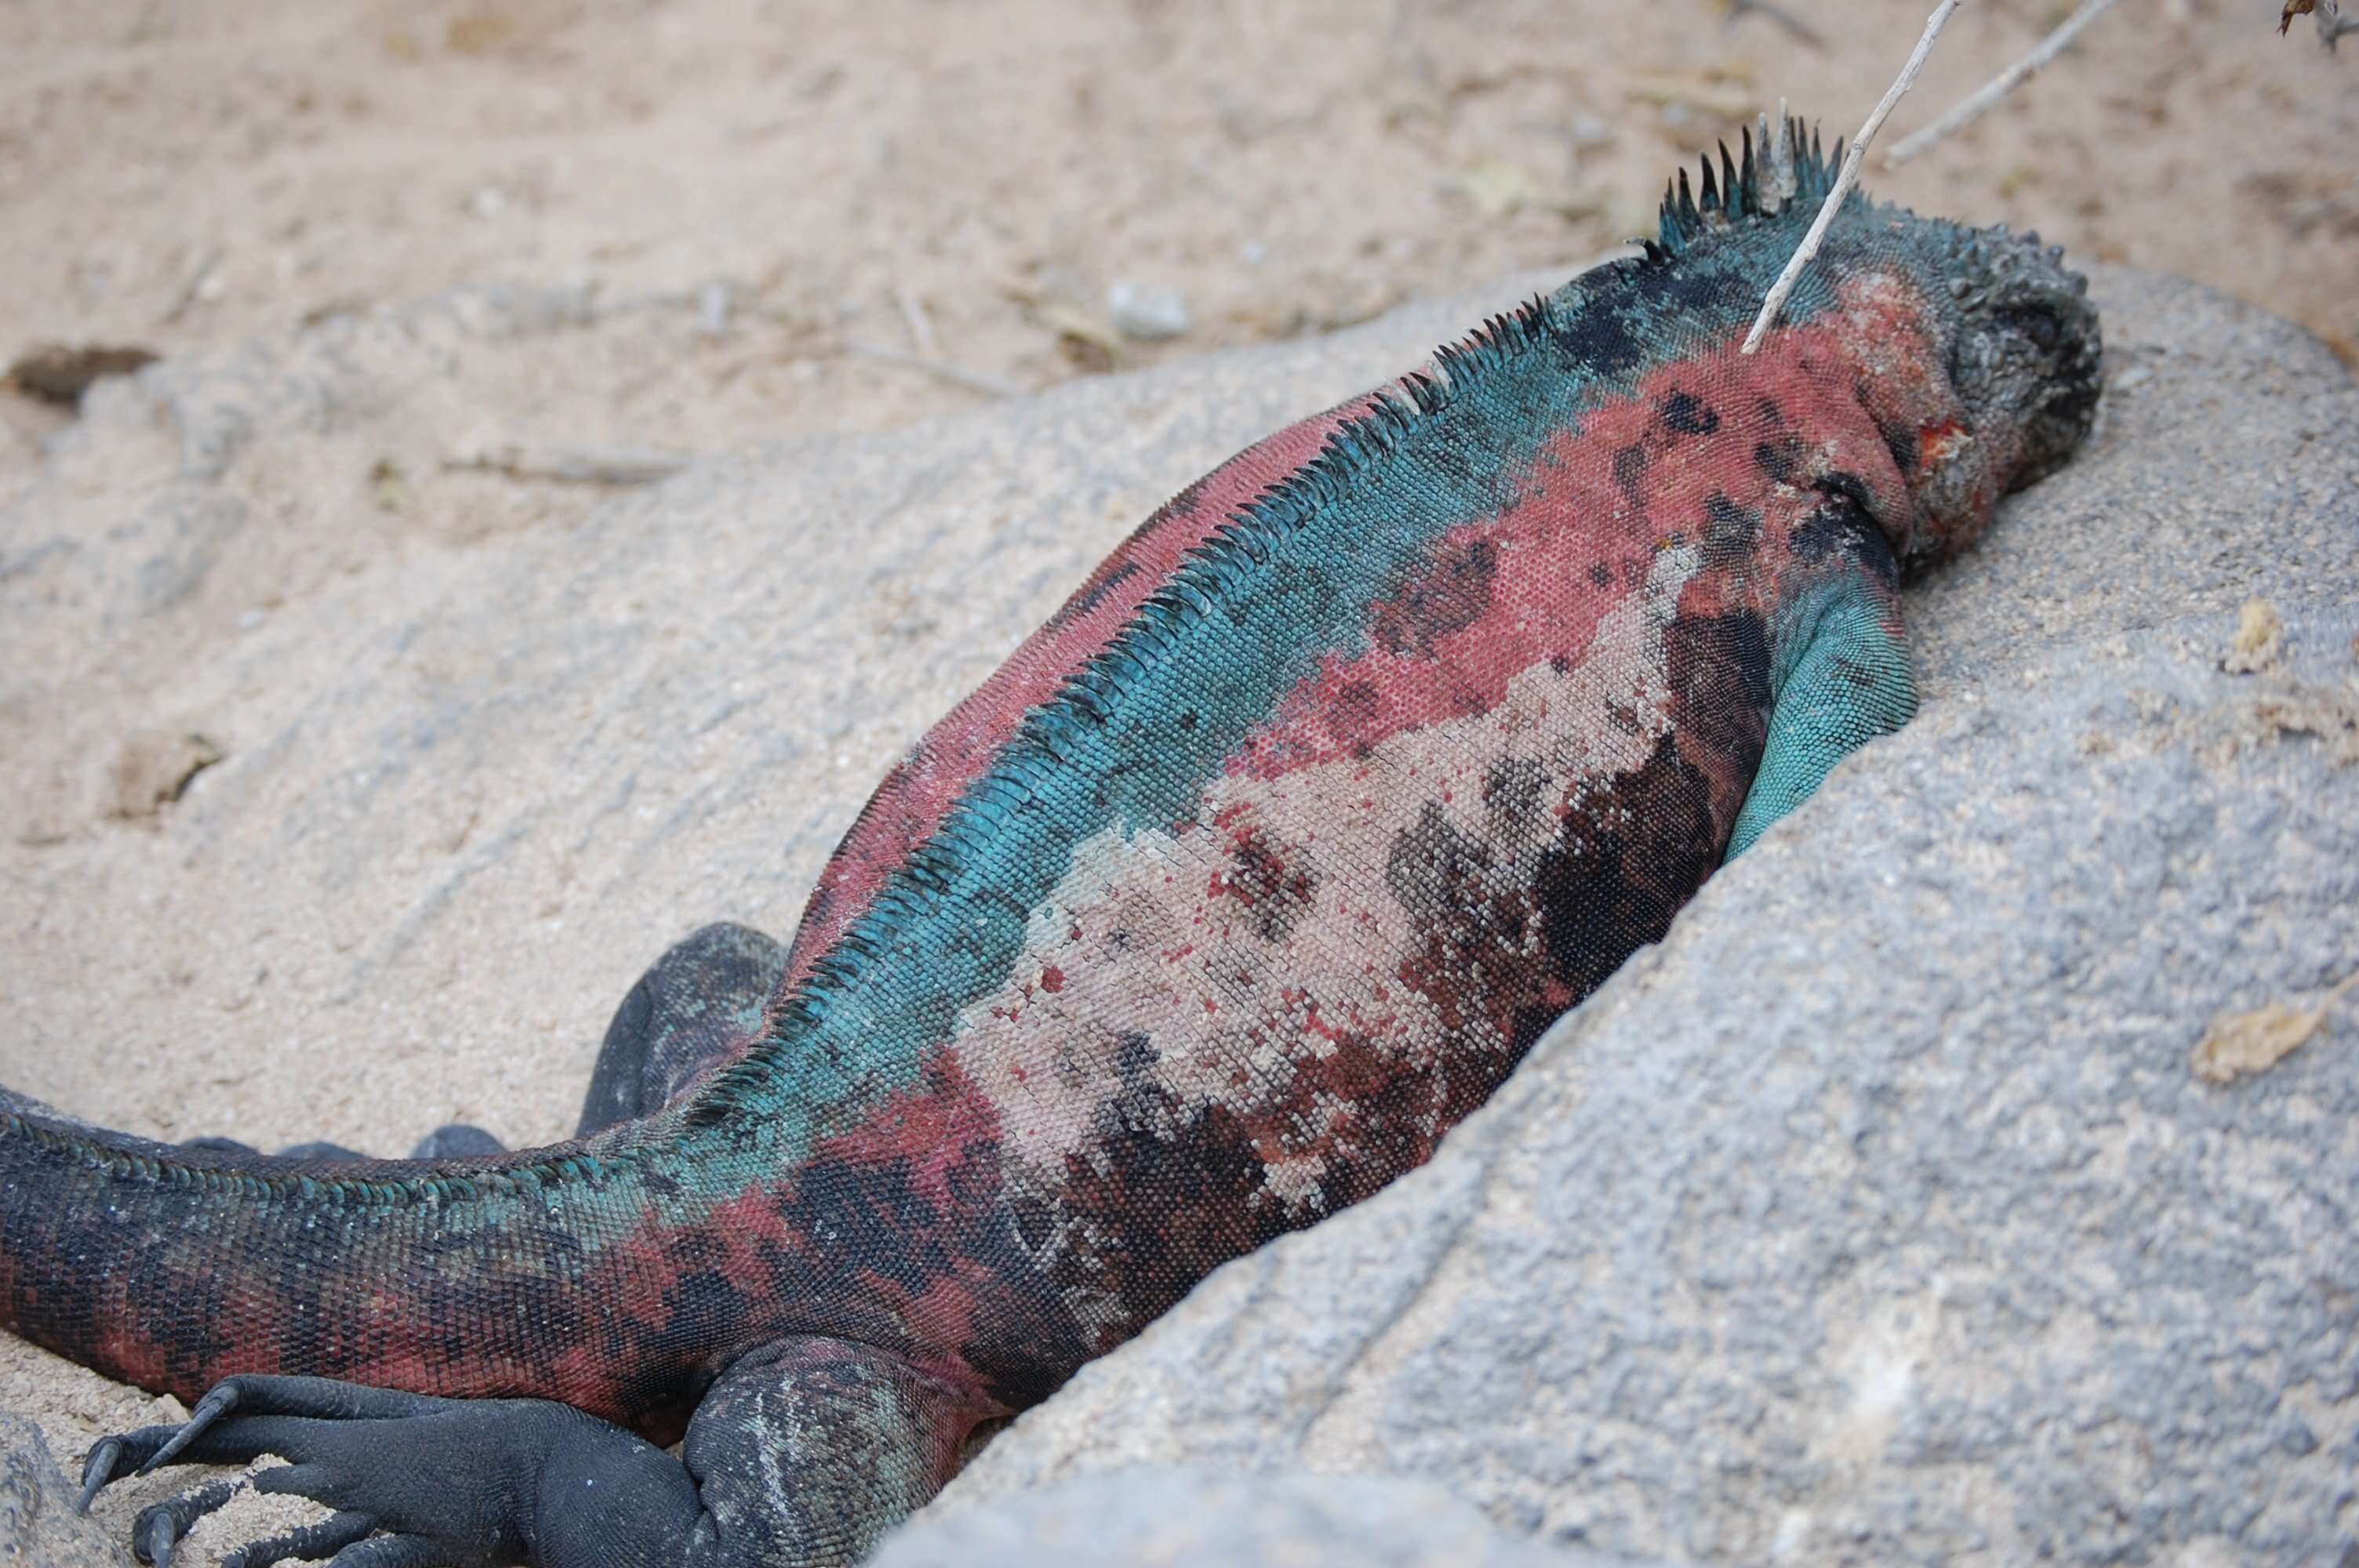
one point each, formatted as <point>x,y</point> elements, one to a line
<point>312,1542</point>
<point>97,1470</point>
<point>156,1542</point>
<point>219,1403</point>
<point>163,1526</point>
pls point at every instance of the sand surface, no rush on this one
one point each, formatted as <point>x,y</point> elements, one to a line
<point>675,230</point>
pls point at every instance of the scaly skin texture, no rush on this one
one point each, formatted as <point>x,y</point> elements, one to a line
<point>1250,875</point>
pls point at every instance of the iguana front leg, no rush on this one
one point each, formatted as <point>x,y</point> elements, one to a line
<point>803,1454</point>
<point>1840,675</point>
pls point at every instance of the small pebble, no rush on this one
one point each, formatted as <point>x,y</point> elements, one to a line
<point>713,304</point>
<point>1147,312</point>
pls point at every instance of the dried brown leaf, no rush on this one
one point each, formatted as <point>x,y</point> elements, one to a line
<point>1496,188</point>
<point>2242,1042</point>
<point>153,769</point>
<point>1090,340</point>
<point>60,374</point>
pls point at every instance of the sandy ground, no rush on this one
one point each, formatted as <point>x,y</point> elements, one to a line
<point>961,181</point>
<point>710,223</point>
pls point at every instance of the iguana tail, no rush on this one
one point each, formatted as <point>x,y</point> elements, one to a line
<point>523,1274</point>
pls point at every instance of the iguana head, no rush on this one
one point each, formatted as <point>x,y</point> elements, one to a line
<point>2023,362</point>
<point>1975,351</point>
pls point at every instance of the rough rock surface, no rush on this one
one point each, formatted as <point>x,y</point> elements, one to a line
<point>1734,1259</point>
<point>1186,1518</point>
<point>1878,1215</point>
<point>38,1528</point>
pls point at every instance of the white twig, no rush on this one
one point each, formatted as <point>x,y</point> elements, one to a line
<point>192,285</point>
<point>1783,289</point>
<point>957,375</point>
<point>570,465</point>
<point>921,326</point>
<point>1975,106</point>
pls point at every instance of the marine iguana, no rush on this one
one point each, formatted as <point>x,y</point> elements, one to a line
<point>1249,875</point>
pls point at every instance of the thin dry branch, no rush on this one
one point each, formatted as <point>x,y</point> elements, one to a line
<point>1783,289</point>
<point>2327,14</point>
<point>1771,11</point>
<point>981,380</point>
<point>574,465</point>
<point>1980,103</point>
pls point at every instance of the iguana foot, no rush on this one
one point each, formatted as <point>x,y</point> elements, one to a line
<point>457,1140</point>
<point>805,1451</point>
<point>454,1140</point>
<point>688,1013</point>
<point>413,1480</point>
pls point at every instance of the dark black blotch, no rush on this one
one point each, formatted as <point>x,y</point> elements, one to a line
<point>1274,887</point>
<point>706,1310</point>
<point>1450,593</point>
<point>1515,800</point>
<point>1033,1222</point>
<point>1092,594</point>
<point>1686,414</point>
<point>1168,1193</point>
<point>1626,858</point>
<point>1719,670</point>
<point>1600,338</point>
<point>1779,458</point>
<point>1630,470</point>
<point>1842,525</point>
<point>1731,532</point>
<point>1707,293</point>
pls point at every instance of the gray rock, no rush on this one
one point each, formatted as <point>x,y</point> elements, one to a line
<point>39,1527</point>
<point>1164,1518</point>
<point>1877,1216</point>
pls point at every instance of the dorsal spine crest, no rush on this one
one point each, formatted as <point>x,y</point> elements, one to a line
<point>1781,170</point>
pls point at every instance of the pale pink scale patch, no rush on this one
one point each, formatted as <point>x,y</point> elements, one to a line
<point>910,804</point>
<point>1181,995</point>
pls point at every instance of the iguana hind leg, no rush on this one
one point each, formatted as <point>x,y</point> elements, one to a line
<point>692,1006</point>
<point>688,1011</point>
<point>801,1455</point>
